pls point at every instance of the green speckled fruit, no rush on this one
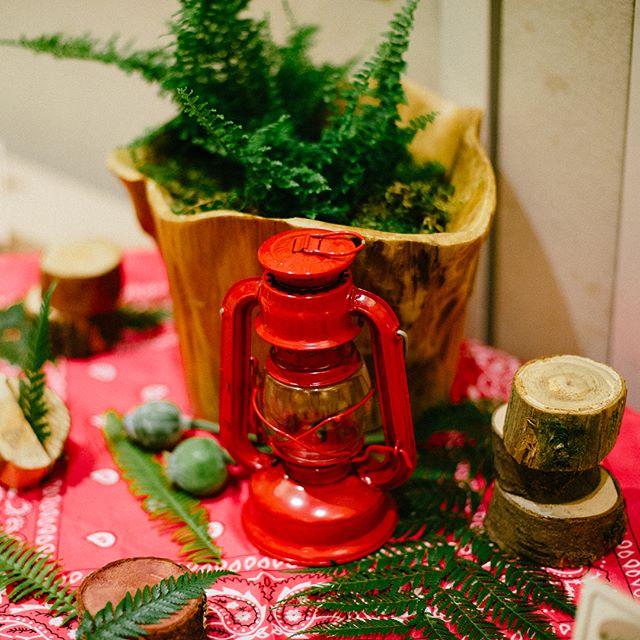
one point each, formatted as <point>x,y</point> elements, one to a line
<point>198,465</point>
<point>155,425</point>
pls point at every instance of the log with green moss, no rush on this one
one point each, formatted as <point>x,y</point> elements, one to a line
<point>541,486</point>
<point>564,413</point>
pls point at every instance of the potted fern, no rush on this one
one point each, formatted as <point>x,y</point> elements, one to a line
<point>265,140</point>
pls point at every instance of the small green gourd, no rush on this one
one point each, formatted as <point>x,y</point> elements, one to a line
<point>155,425</point>
<point>198,465</point>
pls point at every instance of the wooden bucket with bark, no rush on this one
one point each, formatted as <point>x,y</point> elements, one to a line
<point>426,278</point>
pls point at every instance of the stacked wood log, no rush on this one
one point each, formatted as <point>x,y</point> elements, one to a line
<point>553,503</point>
<point>84,318</point>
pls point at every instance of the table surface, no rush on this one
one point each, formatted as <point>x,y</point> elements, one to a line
<point>85,516</point>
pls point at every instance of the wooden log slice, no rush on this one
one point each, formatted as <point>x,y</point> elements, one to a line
<point>88,273</point>
<point>564,413</point>
<point>558,535</point>
<point>24,461</point>
<point>76,336</point>
<point>112,582</point>
<point>541,486</point>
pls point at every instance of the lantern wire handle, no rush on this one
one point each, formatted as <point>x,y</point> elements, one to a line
<point>303,245</point>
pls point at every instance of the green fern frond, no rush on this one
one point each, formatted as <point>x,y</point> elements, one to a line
<point>529,581</point>
<point>225,135</point>
<point>420,122</point>
<point>39,351</point>
<point>141,319</point>
<point>226,58</point>
<point>147,606</point>
<point>462,613</point>
<point>429,505</point>
<point>174,510</point>
<point>151,63</point>
<point>264,172</point>
<point>378,603</point>
<point>363,139</point>
<point>409,582</point>
<point>32,573</point>
<point>499,602</point>
<point>32,384</point>
<point>372,628</point>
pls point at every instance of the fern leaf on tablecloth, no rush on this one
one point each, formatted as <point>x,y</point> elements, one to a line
<point>32,573</point>
<point>406,588</point>
<point>175,510</point>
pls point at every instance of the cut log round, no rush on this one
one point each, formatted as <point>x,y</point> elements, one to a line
<point>88,273</point>
<point>564,413</point>
<point>75,336</point>
<point>540,486</point>
<point>113,581</point>
<point>24,461</point>
<point>558,535</point>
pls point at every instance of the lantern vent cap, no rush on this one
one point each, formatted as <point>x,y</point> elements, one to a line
<point>309,258</point>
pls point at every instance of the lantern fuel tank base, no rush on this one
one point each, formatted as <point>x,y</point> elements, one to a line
<point>316,525</point>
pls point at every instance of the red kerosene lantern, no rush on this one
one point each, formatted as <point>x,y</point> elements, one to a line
<point>319,498</point>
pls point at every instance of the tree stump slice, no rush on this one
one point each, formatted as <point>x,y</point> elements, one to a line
<point>83,318</point>
<point>88,273</point>
<point>564,413</point>
<point>112,582</point>
<point>24,460</point>
<point>540,486</point>
<point>558,535</point>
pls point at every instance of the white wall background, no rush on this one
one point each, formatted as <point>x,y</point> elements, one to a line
<point>567,270</point>
<point>624,346</point>
<point>562,133</point>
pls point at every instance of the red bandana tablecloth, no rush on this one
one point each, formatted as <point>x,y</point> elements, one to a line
<point>85,516</point>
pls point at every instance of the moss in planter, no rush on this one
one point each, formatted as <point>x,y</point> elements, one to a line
<point>262,129</point>
<point>418,201</point>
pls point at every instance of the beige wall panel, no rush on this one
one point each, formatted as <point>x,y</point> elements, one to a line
<point>563,98</point>
<point>69,114</point>
<point>625,337</point>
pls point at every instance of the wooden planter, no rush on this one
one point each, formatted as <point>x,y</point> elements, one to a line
<point>427,279</point>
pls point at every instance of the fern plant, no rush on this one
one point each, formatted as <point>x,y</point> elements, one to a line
<point>262,129</point>
<point>439,577</point>
<point>175,510</point>
<point>32,383</point>
<point>31,573</point>
<point>149,605</point>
